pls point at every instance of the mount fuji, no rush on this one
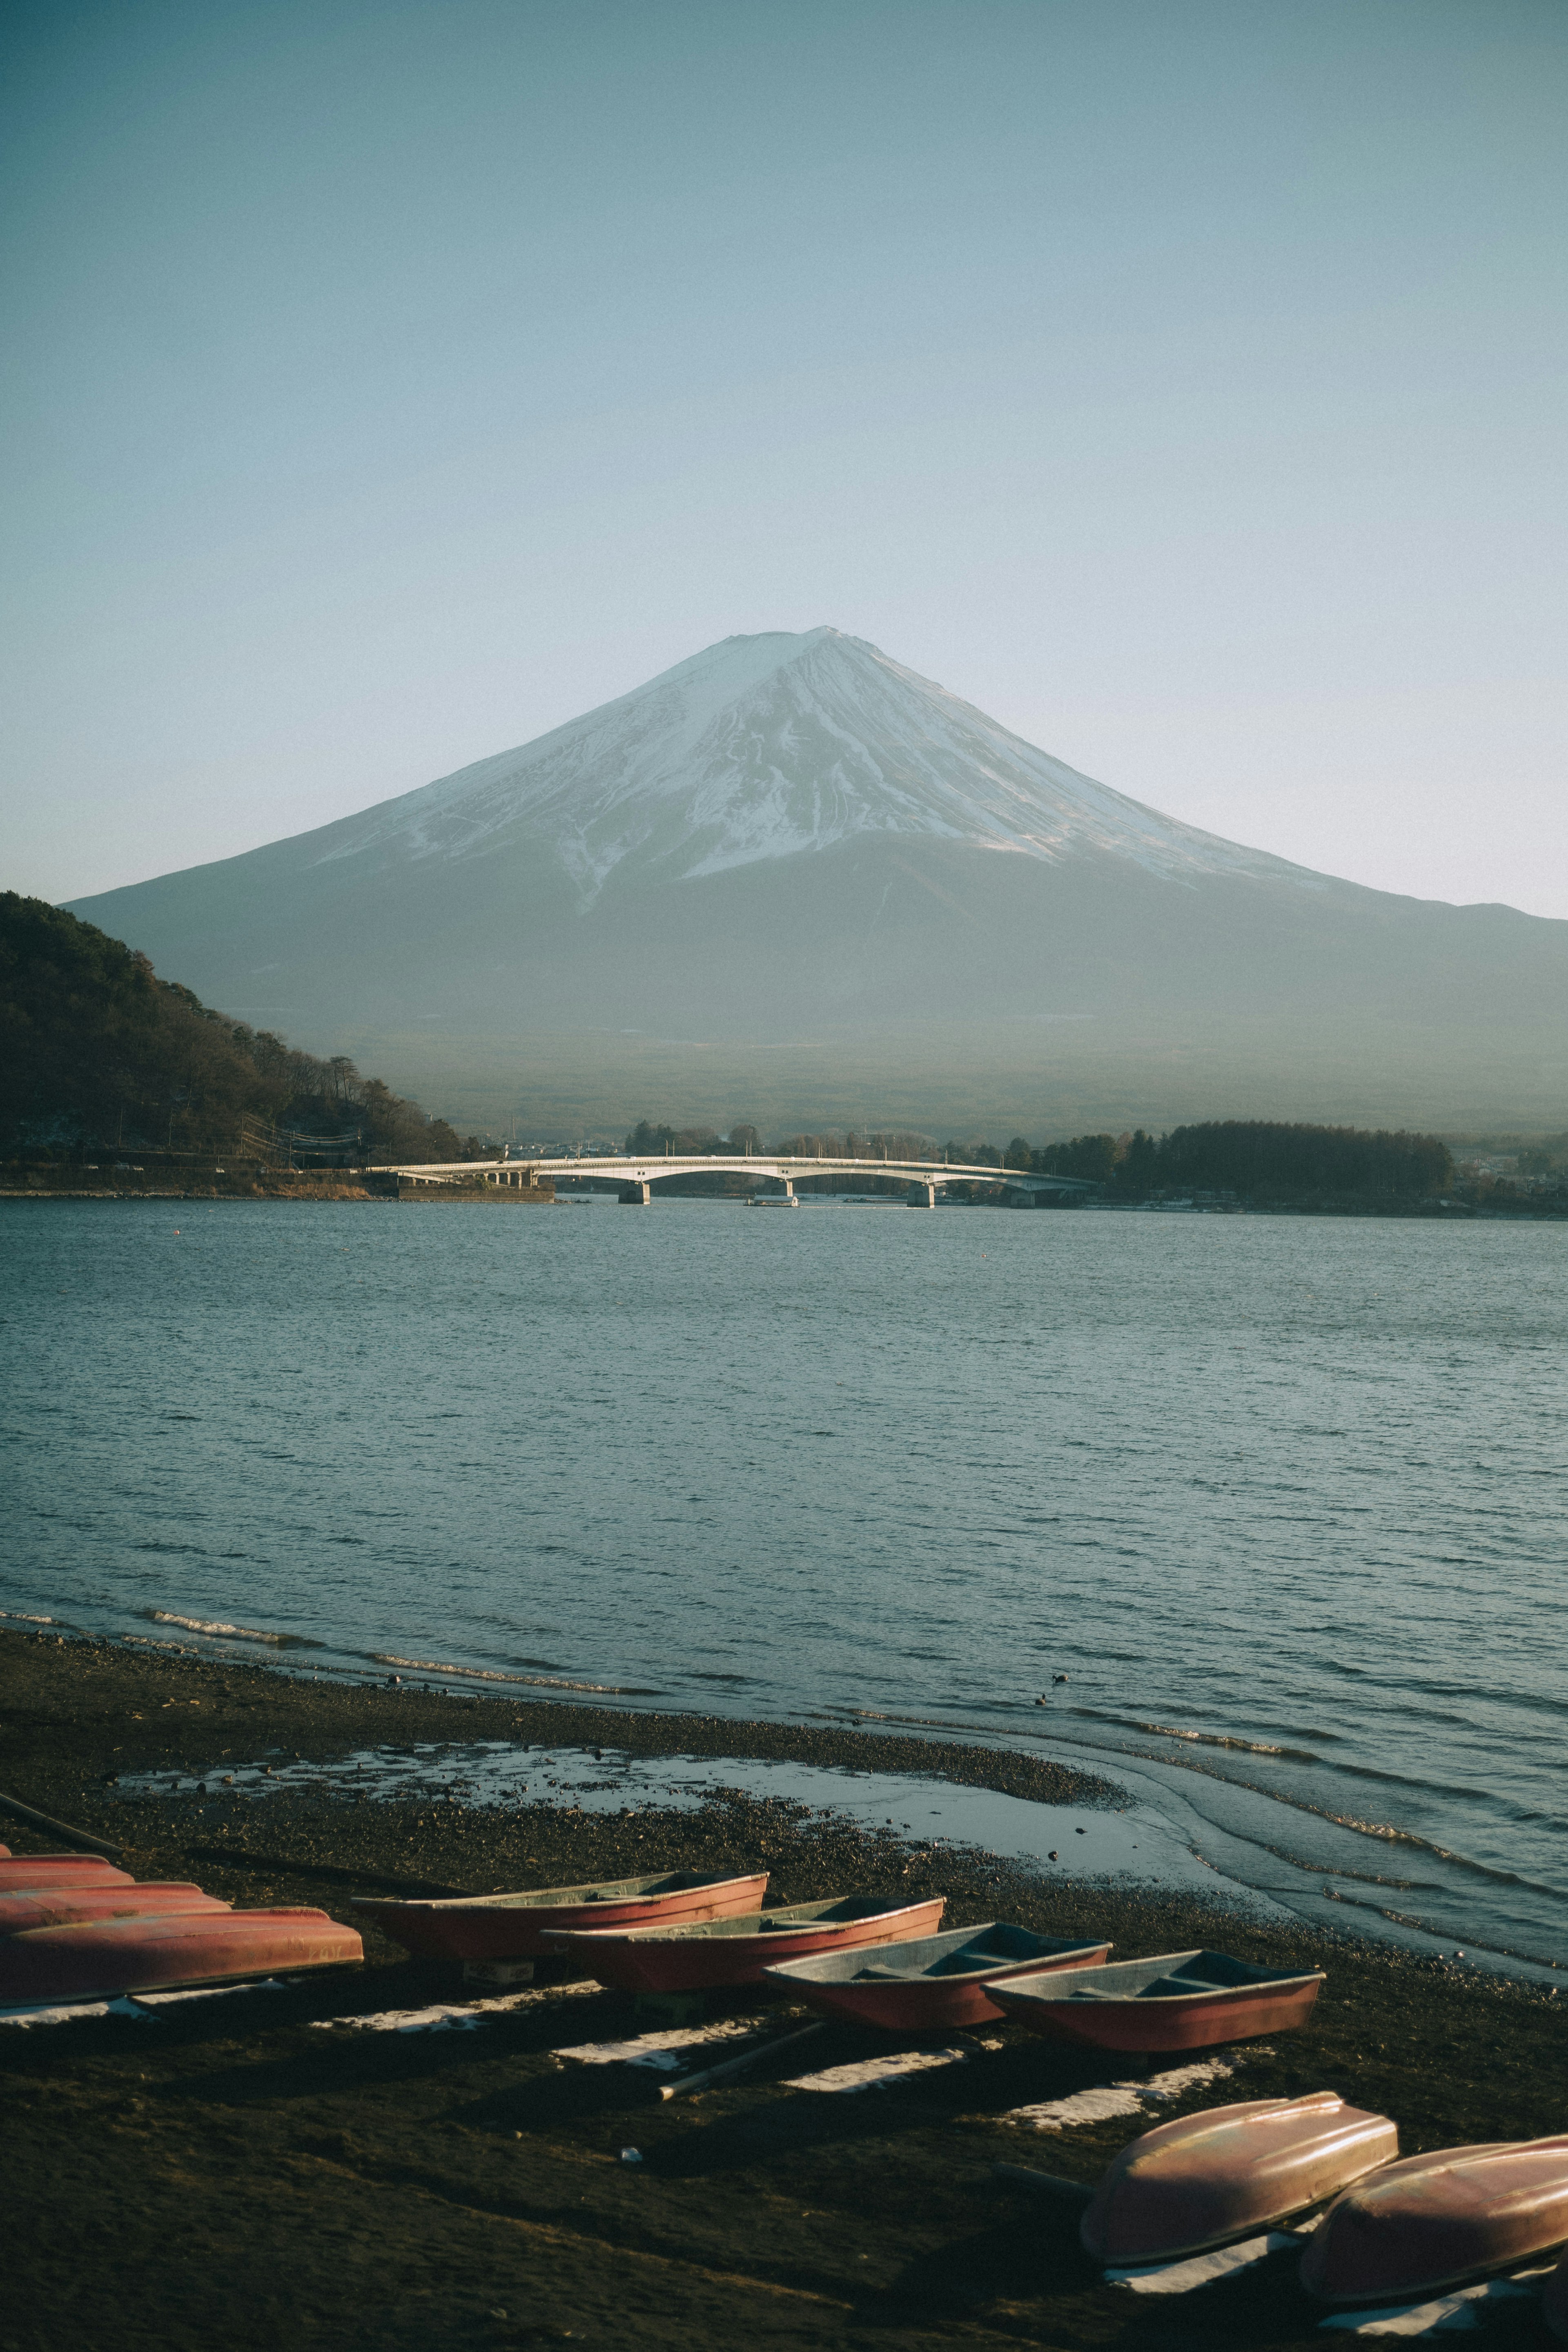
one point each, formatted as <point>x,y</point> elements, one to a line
<point>789,878</point>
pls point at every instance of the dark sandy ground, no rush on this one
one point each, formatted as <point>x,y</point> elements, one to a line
<point>231,2174</point>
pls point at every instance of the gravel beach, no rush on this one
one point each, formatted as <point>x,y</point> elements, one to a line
<point>238,2169</point>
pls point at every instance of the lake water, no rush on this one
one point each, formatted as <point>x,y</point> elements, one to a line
<point>1281,1498</point>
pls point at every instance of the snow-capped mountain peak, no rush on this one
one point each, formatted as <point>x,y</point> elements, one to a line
<point>773,746</point>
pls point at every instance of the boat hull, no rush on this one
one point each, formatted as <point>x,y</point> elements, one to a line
<point>1113,2013</point>
<point>64,1907</point>
<point>932,1993</point>
<point>672,1962</point>
<point>95,1960</point>
<point>500,1927</point>
<point>21,1870</point>
<point>1208,2179</point>
<point>1436,2220</point>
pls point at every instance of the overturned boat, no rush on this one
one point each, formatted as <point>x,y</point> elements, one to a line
<point>100,1958</point>
<point>1208,2179</point>
<point>1439,2220</point>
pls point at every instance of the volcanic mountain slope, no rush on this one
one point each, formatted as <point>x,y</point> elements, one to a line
<point>791,870</point>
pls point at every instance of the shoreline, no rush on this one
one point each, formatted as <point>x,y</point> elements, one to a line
<point>260,2177</point>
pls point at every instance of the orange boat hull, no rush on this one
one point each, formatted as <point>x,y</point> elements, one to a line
<point>95,1959</point>
<point>1435,2220</point>
<point>483,1928</point>
<point>21,1870</point>
<point>633,1963</point>
<point>64,1907</point>
<point>1224,2173</point>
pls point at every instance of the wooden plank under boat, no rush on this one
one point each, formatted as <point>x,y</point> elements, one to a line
<point>509,1926</point>
<point>19,1870</point>
<point>1437,2221</point>
<point>98,1958</point>
<point>1207,2179</point>
<point>1179,2000</point>
<point>931,1981</point>
<point>737,1951</point>
<point>63,1906</point>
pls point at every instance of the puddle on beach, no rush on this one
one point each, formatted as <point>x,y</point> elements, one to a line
<point>1133,1844</point>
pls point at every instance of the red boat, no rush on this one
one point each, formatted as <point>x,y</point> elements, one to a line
<point>63,1906</point>
<point>738,1951</point>
<point>511,1926</point>
<point>1436,2220</point>
<point>1181,2001</point>
<point>1208,2179</point>
<point>96,1959</point>
<point>19,1870</point>
<point>1554,2302</point>
<point>931,1982</point>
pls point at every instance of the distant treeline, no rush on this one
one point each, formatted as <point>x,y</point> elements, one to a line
<point>1255,1159</point>
<point>98,1053</point>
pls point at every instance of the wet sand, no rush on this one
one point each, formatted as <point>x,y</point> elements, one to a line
<point>230,2171</point>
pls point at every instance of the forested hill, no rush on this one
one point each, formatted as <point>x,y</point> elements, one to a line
<point>97,1052</point>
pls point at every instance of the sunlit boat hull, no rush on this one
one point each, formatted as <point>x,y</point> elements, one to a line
<point>513,1926</point>
<point>1152,2005</point>
<point>25,1870</point>
<point>1208,2179</point>
<point>701,1958</point>
<point>931,1983</point>
<point>100,1958</point>
<point>66,1906</point>
<point>1436,2220</point>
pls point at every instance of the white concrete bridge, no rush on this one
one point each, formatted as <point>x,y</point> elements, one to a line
<point>925,1178</point>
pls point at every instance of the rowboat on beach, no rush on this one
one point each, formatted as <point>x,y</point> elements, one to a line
<point>18,1870</point>
<point>511,1926</point>
<point>739,1951</point>
<point>1441,2220</point>
<point>64,1907</point>
<point>96,1960</point>
<point>1227,2172</point>
<point>1180,2001</point>
<point>931,1981</point>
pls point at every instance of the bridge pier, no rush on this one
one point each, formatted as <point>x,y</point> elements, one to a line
<point>635,1195</point>
<point>922,1196</point>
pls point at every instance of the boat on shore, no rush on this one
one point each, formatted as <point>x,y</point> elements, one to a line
<point>25,1870</point>
<point>929,1981</point>
<point>739,1951</point>
<point>1226,2172</point>
<point>1178,2000</point>
<point>1439,2220</point>
<point>512,1927</point>
<point>64,1907</point>
<point>98,1959</point>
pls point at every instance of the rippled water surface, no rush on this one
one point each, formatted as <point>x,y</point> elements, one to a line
<point>1282,1498</point>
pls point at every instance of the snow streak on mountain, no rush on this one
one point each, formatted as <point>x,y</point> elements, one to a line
<point>769,746</point>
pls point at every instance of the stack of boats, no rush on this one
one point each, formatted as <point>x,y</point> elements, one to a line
<point>75,1929</point>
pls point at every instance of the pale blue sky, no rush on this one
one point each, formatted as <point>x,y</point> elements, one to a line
<point>386,383</point>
